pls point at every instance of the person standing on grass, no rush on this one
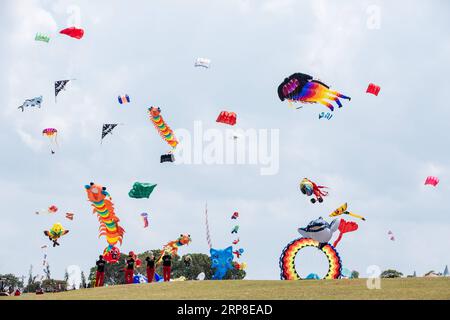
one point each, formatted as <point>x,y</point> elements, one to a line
<point>167,263</point>
<point>150,267</point>
<point>100,275</point>
<point>129,271</point>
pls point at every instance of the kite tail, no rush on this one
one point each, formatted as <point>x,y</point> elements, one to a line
<point>109,226</point>
<point>337,240</point>
<point>164,130</point>
<point>321,192</point>
<point>208,236</point>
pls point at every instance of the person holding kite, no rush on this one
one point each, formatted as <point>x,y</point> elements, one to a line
<point>100,274</point>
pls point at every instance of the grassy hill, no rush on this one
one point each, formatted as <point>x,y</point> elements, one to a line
<point>402,288</point>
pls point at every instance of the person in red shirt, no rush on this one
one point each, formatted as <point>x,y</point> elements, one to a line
<point>100,275</point>
<point>150,267</point>
<point>129,271</point>
<point>167,263</point>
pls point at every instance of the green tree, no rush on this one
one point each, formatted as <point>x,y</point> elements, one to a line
<point>48,275</point>
<point>83,280</point>
<point>390,273</point>
<point>10,281</point>
<point>32,284</point>
<point>355,274</point>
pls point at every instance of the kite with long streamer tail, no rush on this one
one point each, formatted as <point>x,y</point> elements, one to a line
<point>208,236</point>
<point>164,130</point>
<point>300,87</point>
<point>109,222</point>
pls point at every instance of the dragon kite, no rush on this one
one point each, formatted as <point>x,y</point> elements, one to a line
<point>109,222</point>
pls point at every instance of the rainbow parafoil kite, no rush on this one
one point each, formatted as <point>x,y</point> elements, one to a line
<point>160,125</point>
<point>302,88</point>
<point>51,134</point>
<point>109,222</point>
<point>432,181</point>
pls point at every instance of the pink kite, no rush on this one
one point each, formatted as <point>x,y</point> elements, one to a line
<point>391,236</point>
<point>373,89</point>
<point>432,180</point>
<point>345,227</point>
<point>73,32</point>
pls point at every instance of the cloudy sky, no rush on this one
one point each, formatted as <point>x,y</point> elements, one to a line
<point>375,152</point>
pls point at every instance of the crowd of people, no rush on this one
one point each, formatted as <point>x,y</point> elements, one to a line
<point>130,265</point>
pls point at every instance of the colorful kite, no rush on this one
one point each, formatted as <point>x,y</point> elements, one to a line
<point>42,37</point>
<point>51,134</point>
<point>173,246</point>
<point>35,102</point>
<point>221,261</point>
<point>432,181</point>
<point>144,216</point>
<point>343,210</point>
<point>238,253</point>
<point>203,62</point>
<point>235,229</point>
<point>236,241</point>
<point>50,210</point>
<point>310,188</point>
<point>73,32</point>
<point>235,215</point>
<point>239,266</point>
<point>373,89</point>
<point>109,222</point>
<point>345,227</point>
<point>141,190</point>
<point>124,99</point>
<point>287,259</point>
<point>56,232</point>
<point>227,118</point>
<point>164,130</point>
<point>302,88</point>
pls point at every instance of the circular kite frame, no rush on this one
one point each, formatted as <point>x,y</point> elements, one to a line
<point>287,259</point>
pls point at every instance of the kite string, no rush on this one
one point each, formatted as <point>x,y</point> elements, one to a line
<point>208,236</point>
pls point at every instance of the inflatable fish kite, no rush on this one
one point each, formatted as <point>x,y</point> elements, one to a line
<point>320,230</point>
<point>35,102</point>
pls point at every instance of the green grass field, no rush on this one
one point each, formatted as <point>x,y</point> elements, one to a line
<point>403,288</point>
